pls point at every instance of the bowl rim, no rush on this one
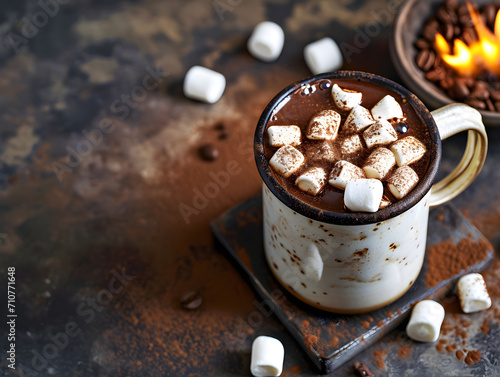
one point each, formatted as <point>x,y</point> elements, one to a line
<point>413,77</point>
<point>356,218</point>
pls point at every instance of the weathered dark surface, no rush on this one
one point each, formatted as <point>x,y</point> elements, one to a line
<point>119,204</point>
<point>331,340</point>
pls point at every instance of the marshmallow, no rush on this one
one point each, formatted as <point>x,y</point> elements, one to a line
<point>284,135</point>
<point>408,150</point>
<point>312,181</point>
<point>324,125</point>
<point>267,356</point>
<point>385,202</point>
<point>287,160</point>
<point>350,145</point>
<point>203,84</point>
<point>378,163</point>
<point>380,133</point>
<point>363,195</point>
<point>387,109</point>
<point>425,322</point>
<point>402,181</point>
<point>345,99</point>
<point>313,264</point>
<point>358,119</point>
<point>472,293</point>
<point>324,152</point>
<point>343,172</point>
<point>266,41</point>
<point>323,56</point>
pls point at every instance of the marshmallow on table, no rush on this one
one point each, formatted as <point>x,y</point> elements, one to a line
<point>350,145</point>
<point>387,109</point>
<point>313,264</point>
<point>379,133</point>
<point>408,150</point>
<point>287,160</point>
<point>267,356</point>
<point>203,84</point>
<point>345,99</point>
<point>312,181</point>
<point>379,163</point>
<point>425,321</point>
<point>473,294</point>
<point>266,41</point>
<point>324,152</point>
<point>402,181</point>
<point>284,135</point>
<point>324,125</point>
<point>344,172</point>
<point>358,119</point>
<point>363,195</point>
<point>324,55</point>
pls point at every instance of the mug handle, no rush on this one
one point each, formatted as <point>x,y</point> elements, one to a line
<point>450,120</point>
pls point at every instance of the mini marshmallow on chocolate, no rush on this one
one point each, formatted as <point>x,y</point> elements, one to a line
<point>408,150</point>
<point>388,109</point>
<point>363,195</point>
<point>379,163</point>
<point>284,135</point>
<point>312,181</point>
<point>425,321</point>
<point>344,172</point>
<point>358,119</point>
<point>473,294</point>
<point>324,125</point>
<point>287,160</point>
<point>350,145</point>
<point>345,99</point>
<point>380,133</point>
<point>402,181</point>
<point>324,152</point>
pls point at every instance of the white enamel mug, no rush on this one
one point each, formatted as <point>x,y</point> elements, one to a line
<point>358,262</point>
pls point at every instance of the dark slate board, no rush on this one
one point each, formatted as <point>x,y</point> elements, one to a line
<point>329,339</point>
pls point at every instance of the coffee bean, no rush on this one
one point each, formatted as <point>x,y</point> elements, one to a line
<point>480,90</point>
<point>223,136</point>
<point>460,90</point>
<point>425,59</point>
<point>497,106</point>
<point>447,83</point>
<point>444,15</point>
<point>208,152</point>
<point>478,104</point>
<point>362,369</point>
<point>430,30</point>
<point>469,35</point>
<point>220,127</point>
<point>191,300</point>
<point>422,44</point>
<point>489,105</point>
<point>451,4</point>
<point>448,31</point>
<point>495,95</point>
<point>458,31</point>
<point>436,74</point>
<point>489,12</point>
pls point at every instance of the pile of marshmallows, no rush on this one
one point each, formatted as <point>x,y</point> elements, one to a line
<point>363,185</point>
<point>266,44</point>
<point>424,325</point>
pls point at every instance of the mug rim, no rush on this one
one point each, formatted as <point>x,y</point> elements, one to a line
<point>355,218</point>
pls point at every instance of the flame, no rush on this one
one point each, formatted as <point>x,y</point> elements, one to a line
<point>481,54</point>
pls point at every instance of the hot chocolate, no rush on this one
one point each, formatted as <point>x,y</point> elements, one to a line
<point>333,131</point>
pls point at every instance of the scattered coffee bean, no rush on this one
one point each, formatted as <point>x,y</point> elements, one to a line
<point>460,89</point>
<point>477,103</point>
<point>436,74</point>
<point>220,127</point>
<point>489,12</point>
<point>480,90</point>
<point>401,127</point>
<point>495,95</point>
<point>451,4</point>
<point>497,106</point>
<point>208,152</point>
<point>362,369</point>
<point>489,105</point>
<point>223,136</point>
<point>469,35</point>
<point>446,16</point>
<point>191,300</point>
<point>425,59</point>
<point>422,44</point>
<point>447,83</point>
<point>448,31</point>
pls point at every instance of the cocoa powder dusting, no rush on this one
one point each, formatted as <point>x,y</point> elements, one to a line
<point>446,259</point>
<point>378,358</point>
<point>404,351</point>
